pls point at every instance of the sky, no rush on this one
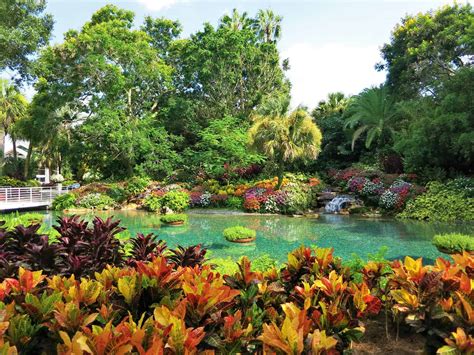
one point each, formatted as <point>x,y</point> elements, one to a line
<point>332,45</point>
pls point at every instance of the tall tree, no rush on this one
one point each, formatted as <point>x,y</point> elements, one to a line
<point>439,132</point>
<point>113,76</point>
<point>24,28</point>
<point>226,71</point>
<point>236,21</point>
<point>13,108</point>
<point>336,102</point>
<point>268,26</point>
<point>284,139</point>
<point>426,49</point>
<point>372,113</point>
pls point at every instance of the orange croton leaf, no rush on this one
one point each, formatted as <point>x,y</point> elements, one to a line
<point>323,344</point>
<point>75,346</point>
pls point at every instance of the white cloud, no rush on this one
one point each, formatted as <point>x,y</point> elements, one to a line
<point>156,5</point>
<point>316,71</point>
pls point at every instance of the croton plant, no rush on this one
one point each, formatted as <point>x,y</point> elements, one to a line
<point>84,294</point>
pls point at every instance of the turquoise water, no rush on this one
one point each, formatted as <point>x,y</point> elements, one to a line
<point>277,235</point>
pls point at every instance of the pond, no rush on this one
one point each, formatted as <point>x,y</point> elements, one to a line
<point>277,235</point>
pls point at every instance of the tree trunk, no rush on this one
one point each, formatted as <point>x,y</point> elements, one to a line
<point>28,160</point>
<point>280,172</point>
<point>2,150</point>
<point>15,154</point>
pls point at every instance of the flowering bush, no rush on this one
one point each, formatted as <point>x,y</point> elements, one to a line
<point>389,200</point>
<point>251,204</point>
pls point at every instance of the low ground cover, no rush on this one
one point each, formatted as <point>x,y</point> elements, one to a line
<point>86,292</point>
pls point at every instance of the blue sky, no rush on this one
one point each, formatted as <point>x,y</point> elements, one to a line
<point>332,45</point>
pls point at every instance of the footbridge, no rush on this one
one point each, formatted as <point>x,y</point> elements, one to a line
<point>23,198</point>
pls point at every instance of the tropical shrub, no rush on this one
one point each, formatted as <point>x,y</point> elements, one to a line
<point>454,243</point>
<point>153,203</point>
<point>136,185</point>
<point>238,232</point>
<point>435,300</point>
<point>12,220</point>
<point>234,202</point>
<point>442,202</point>
<point>64,201</point>
<point>96,201</point>
<point>173,218</point>
<point>7,181</point>
<point>117,193</point>
<point>176,200</point>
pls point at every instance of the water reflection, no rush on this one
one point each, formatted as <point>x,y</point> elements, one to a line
<point>277,235</point>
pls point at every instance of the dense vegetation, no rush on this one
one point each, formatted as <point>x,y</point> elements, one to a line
<point>85,293</point>
<point>148,102</point>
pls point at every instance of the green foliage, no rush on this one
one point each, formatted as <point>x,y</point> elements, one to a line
<point>173,218</point>
<point>239,232</point>
<point>64,202</point>
<point>153,203</point>
<point>177,201</point>
<point>96,201</point>
<point>116,67</point>
<point>224,141</point>
<point>426,48</point>
<point>454,243</point>
<point>441,203</point>
<point>14,219</point>
<point>136,185</point>
<point>24,29</point>
<point>440,130</point>
<point>264,263</point>
<point>372,114</point>
<point>234,202</point>
<point>117,193</point>
<point>8,181</point>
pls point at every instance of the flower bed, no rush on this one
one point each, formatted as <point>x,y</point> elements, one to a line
<point>153,299</point>
<point>387,191</point>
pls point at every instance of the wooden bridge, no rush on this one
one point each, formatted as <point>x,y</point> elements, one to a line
<point>19,198</point>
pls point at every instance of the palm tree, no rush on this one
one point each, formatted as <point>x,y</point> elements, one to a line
<point>268,26</point>
<point>336,102</point>
<point>236,21</point>
<point>372,112</point>
<point>284,139</point>
<point>13,107</point>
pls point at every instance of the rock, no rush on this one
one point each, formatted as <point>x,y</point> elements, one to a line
<point>167,210</point>
<point>343,212</point>
<point>326,196</point>
<point>130,206</point>
<point>311,215</point>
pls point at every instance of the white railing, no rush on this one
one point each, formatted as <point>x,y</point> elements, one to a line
<point>30,194</point>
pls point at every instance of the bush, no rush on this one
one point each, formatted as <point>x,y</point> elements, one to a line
<point>64,201</point>
<point>96,201</point>
<point>15,219</point>
<point>453,243</point>
<point>238,233</point>
<point>234,202</point>
<point>11,182</point>
<point>174,217</point>
<point>445,203</point>
<point>177,201</point>
<point>117,193</point>
<point>136,185</point>
<point>153,203</point>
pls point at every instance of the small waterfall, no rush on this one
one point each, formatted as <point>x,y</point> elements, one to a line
<point>337,203</point>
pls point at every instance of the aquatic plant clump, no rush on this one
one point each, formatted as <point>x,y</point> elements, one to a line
<point>238,233</point>
<point>454,243</point>
<point>174,218</point>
